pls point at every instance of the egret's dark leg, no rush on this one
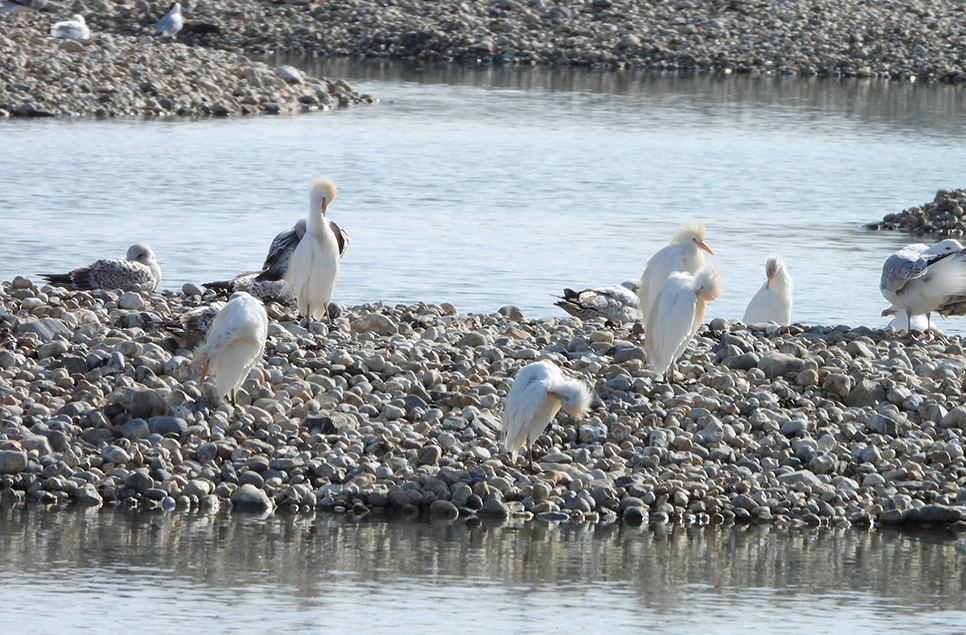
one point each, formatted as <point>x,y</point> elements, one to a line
<point>530,456</point>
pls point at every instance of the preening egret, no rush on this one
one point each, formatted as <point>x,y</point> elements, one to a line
<point>234,343</point>
<point>171,23</point>
<point>676,315</point>
<point>139,271</point>
<point>617,303</point>
<point>73,29</point>
<point>773,302</point>
<point>683,254</point>
<point>314,266</point>
<point>918,280</point>
<point>284,244</point>
<point>539,391</point>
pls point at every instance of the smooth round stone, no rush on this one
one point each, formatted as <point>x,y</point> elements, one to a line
<point>443,510</point>
<point>131,301</point>
<point>494,507</point>
<point>135,429</point>
<point>115,455</point>
<point>248,498</point>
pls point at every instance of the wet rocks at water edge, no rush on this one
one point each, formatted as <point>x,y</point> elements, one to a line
<point>943,216</point>
<point>114,75</point>
<point>796,426</point>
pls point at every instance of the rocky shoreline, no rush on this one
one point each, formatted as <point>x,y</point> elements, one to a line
<point>397,409</point>
<point>825,38</point>
<point>118,75</point>
<point>942,216</point>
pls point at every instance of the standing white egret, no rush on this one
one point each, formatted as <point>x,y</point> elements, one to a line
<point>676,315</point>
<point>683,254</point>
<point>234,343</point>
<point>539,391</point>
<point>918,280</point>
<point>617,303</point>
<point>138,271</point>
<point>171,23</point>
<point>314,266</point>
<point>773,302</point>
<point>73,29</point>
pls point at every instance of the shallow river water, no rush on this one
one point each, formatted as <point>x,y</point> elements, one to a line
<point>497,186</point>
<point>114,572</point>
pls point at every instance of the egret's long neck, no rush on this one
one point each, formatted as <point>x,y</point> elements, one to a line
<point>315,222</point>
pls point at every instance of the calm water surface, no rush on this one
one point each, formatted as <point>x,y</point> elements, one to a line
<point>112,572</point>
<point>488,187</point>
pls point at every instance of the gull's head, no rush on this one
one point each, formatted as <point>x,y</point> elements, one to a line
<point>632,285</point>
<point>945,247</point>
<point>321,193</point>
<point>708,284</point>
<point>176,8</point>
<point>691,232</point>
<point>139,252</point>
<point>78,18</point>
<point>773,265</point>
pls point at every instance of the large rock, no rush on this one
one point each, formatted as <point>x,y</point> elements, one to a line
<point>249,498</point>
<point>12,462</point>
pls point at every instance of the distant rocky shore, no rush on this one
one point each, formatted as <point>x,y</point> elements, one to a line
<point>397,409</point>
<point>116,75</point>
<point>827,38</point>
<point>942,216</point>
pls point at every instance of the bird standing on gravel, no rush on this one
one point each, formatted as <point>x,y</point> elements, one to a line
<point>139,271</point>
<point>539,391</point>
<point>676,315</point>
<point>73,29</point>
<point>171,23</point>
<point>314,265</point>
<point>918,280</point>
<point>773,302</point>
<point>683,254</point>
<point>234,343</point>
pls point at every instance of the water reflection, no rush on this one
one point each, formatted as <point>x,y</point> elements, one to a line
<point>311,554</point>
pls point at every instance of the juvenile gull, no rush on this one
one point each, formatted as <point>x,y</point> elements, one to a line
<point>139,271</point>
<point>617,303</point>
<point>248,282</point>
<point>314,265</point>
<point>676,315</point>
<point>234,343</point>
<point>683,254</point>
<point>918,280</point>
<point>538,392</point>
<point>171,23</point>
<point>773,302</point>
<point>73,29</point>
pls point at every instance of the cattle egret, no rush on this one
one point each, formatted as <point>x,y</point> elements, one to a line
<point>234,343</point>
<point>314,266</point>
<point>683,254</point>
<point>773,302</point>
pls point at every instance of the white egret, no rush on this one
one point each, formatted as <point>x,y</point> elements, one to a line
<point>171,23</point>
<point>284,244</point>
<point>676,315</point>
<point>314,266</point>
<point>539,391</point>
<point>73,29</point>
<point>683,254</point>
<point>617,303</point>
<point>918,280</point>
<point>139,271</point>
<point>234,343</point>
<point>773,302</point>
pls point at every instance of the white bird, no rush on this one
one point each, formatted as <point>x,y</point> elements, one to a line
<point>73,29</point>
<point>683,254</point>
<point>314,266</point>
<point>773,302</point>
<point>918,280</point>
<point>539,391</point>
<point>676,315</point>
<point>234,343</point>
<point>139,271</point>
<point>171,23</point>
<point>617,303</point>
<point>900,322</point>
<point>284,244</point>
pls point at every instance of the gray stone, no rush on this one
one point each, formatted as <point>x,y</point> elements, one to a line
<point>745,361</point>
<point>115,455</point>
<point>12,461</point>
<point>248,498</point>
<point>865,394</point>
<point>167,425</point>
<point>131,301</point>
<point>88,496</point>
<point>495,508</point>
<point>135,429</point>
<point>444,510</point>
<point>775,364</point>
<point>591,433</point>
<point>885,425</point>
